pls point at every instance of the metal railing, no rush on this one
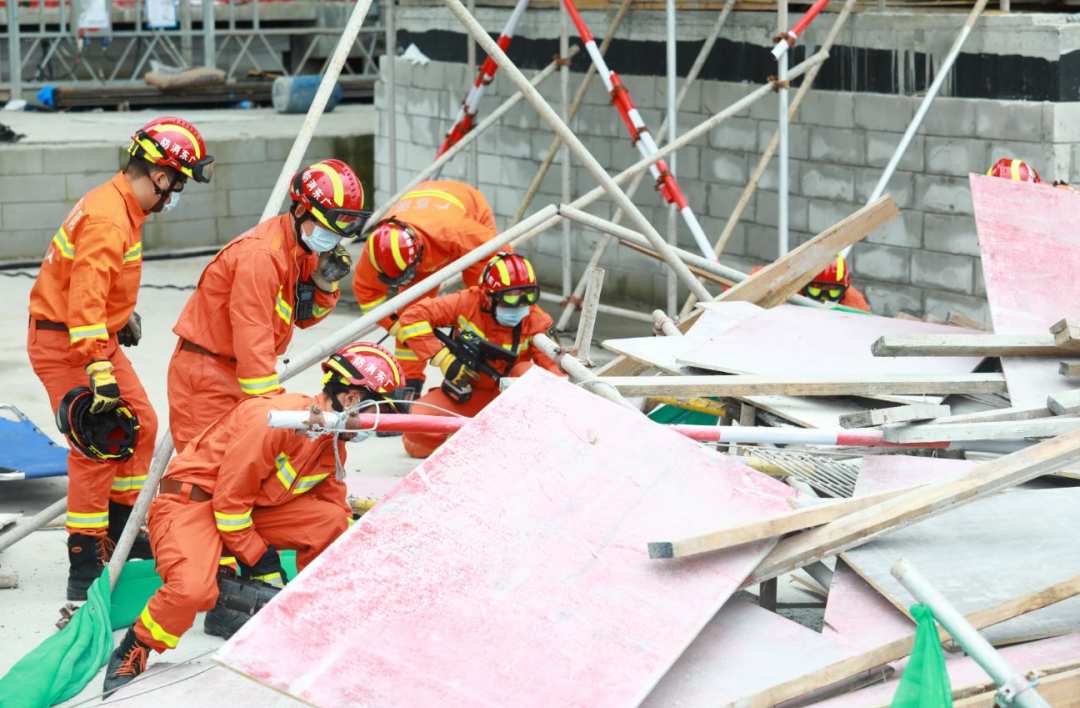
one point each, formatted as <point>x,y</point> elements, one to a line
<point>45,43</point>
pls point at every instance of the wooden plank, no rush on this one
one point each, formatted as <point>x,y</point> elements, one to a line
<point>1015,220</point>
<point>959,319</point>
<point>981,345</point>
<point>1005,430</point>
<point>525,585</point>
<point>731,536</point>
<point>1069,368</point>
<point>1032,533</point>
<point>1065,334</point>
<point>897,649</point>
<point>897,414</point>
<point>1067,403</point>
<point>998,414</point>
<point>776,282</point>
<point>1009,470</point>
<point>912,384</point>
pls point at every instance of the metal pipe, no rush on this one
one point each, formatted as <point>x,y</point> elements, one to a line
<point>924,106</point>
<point>391,90</point>
<point>564,153</point>
<point>782,126</point>
<point>209,31</point>
<point>576,146</point>
<point>663,325</point>
<point>583,341</point>
<point>1013,688</point>
<point>318,105</point>
<point>35,522</point>
<point>14,51</point>
<point>774,143</point>
<point>473,168</point>
<point>579,97</point>
<point>578,372</point>
<point>672,133</point>
<point>472,135</point>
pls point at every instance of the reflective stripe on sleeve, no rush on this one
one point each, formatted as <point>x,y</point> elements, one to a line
<point>90,331</point>
<point>465,323</point>
<point>283,308</point>
<point>259,385</point>
<point>308,481</point>
<point>286,473</point>
<point>405,354</point>
<point>156,630</point>
<point>365,306</point>
<point>232,522</point>
<point>134,253</point>
<point>416,329</point>
<point>64,244</point>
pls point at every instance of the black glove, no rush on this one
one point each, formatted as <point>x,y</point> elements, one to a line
<point>267,569</point>
<point>333,266</point>
<point>130,334</point>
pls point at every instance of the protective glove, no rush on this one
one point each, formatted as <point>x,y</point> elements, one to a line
<point>454,370</point>
<point>267,569</point>
<point>131,333</point>
<point>333,265</point>
<point>103,385</point>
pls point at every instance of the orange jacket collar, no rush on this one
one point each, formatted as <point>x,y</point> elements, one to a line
<point>135,213</point>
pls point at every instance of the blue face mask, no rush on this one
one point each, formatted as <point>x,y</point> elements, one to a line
<point>510,316</point>
<point>321,240</point>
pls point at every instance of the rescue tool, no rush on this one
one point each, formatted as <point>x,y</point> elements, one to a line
<point>476,353</point>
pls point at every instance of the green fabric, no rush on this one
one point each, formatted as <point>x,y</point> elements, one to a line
<point>925,683</point>
<point>673,415</point>
<point>845,308</point>
<point>137,583</point>
<point>63,664</point>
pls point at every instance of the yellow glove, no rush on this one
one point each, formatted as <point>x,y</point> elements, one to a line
<point>394,329</point>
<point>103,385</point>
<point>453,369</point>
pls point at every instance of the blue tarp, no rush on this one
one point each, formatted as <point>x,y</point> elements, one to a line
<point>24,448</point>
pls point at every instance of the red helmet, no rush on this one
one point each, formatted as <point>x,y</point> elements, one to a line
<point>364,365</point>
<point>331,192</point>
<point>1016,170</point>
<point>395,251</point>
<point>173,142</point>
<point>830,284</point>
<point>508,277</point>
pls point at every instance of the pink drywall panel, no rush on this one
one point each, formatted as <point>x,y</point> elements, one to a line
<point>1030,247</point>
<point>510,568</point>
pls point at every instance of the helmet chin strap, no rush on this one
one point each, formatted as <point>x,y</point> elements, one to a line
<point>297,223</point>
<point>163,194</point>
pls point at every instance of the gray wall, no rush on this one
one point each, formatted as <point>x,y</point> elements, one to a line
<point>929,264</point>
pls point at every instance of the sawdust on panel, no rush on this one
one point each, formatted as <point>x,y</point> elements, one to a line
<point>531,522</point>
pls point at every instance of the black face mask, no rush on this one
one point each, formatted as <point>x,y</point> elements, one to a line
<point>164,194</point>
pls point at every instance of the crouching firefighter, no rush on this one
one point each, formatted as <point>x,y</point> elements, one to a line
<point>500,314</point>
<point>248,489</point>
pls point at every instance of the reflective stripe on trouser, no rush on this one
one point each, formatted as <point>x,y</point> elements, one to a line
<point>202,388</point>
<point>91,484</point>
<point>188,551</point>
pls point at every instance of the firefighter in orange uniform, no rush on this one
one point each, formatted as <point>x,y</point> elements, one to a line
<point>82,307</point>
<point>833,285</point>
<point>243,486</point>
<point>285,271</point>
<point>431,226</point>
<point>502,310</point>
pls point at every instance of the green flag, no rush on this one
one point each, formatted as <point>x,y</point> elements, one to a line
<point>925,683</point>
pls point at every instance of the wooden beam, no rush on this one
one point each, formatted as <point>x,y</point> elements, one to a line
<point>776,282</point>
<point>1069,368</point>
<point>1067,403</point>
<point>970,345</point>
<point>1003,430</point>
<point>752,385</point>
<point>815,515</point>
<point>855,529</point>
<point>959,319</point>
<point>998,414</point>
<point>898,414</point>
<point>883,654</point>
<point>1066,334</point>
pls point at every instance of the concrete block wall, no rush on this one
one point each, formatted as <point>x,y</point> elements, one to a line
<point>926,264</point>
<point>39,184</point>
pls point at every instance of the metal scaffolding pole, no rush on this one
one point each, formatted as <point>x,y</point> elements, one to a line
<point>564,153</point>
<point>782,126</point>
<point>14,51</point>
<point>473,167</point>
<point>672,131</point>
<point>209,37</point>
<point>391,91</point>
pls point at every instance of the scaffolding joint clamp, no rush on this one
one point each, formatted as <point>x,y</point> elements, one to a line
<point>577,302</point>
<point>778,84</point>
<point>560,61</point>
<point>1009,691</point>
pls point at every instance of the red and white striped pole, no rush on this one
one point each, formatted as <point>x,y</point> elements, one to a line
<point>743,435</point>
<point>466,117</point>
<point>639,132</point>
<point>786,41</point>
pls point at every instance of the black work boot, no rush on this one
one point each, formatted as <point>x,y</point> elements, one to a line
<point>126,662</point>
<point>409,392</point>
<point>238,601</point>
<point>223,622</point>
<point>87,556</point>
<point>118,517</point>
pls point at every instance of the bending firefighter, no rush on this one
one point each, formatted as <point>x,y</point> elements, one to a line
<point>285,271</point>
<point>82,308</point>
<point>492,327</point>
<point>242,486</point>
<point>833,285</point>
<point>431,226</point>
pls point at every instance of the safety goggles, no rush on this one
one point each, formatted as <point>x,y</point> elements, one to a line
<point>826,294</point>
<point>347,223</point>
<point>518,296</point>
<point>203,170</point>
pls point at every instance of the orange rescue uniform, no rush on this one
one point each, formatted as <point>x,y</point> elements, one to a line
<point>467,310</point>
<point>266,487</point>
<point>84,294</point>
<point>854,299</point>
<point>450,218</point>
<point>237,323</point>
